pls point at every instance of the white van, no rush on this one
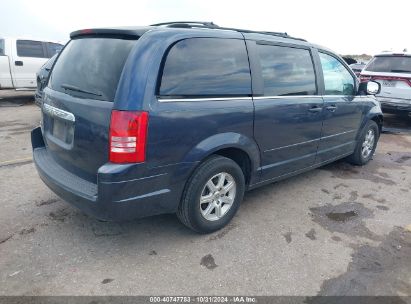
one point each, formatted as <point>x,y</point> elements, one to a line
<point>20,59</point>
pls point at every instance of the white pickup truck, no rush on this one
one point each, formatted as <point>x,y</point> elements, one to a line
<point>20,59</point>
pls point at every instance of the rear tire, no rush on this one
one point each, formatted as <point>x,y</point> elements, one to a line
<point>366,144</point>
<point>212,195</point>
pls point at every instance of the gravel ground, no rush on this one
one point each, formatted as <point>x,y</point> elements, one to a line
<point>337,230</point>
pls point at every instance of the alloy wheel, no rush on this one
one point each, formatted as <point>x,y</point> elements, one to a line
<point>217,196</point>
<point>368,144</point>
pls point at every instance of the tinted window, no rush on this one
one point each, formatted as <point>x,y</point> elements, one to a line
<point>1,47</point>
<point>91,67</point>
<point>390,64</point>
<point>206,67</point>
<point>30,48</point>
<point>286,71</point>
<point>337,79</point>
<point>53,48</point>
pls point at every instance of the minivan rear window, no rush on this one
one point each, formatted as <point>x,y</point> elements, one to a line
<point>206,67</point>
<point>91,67</point>
<point>390,64</point>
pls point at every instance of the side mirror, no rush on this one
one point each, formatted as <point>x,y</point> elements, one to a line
<point>369,88</point>
<point>373,87</point>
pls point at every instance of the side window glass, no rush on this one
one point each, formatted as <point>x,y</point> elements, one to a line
<point>199,67</point>
<point>286,71</point>
<point>1,47</point>
<point>53,48</point>
<point>30,48</point>
<point>337,79</point>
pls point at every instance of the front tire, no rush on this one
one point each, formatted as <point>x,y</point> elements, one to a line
<point>366,144</point>
<point>212,195</point>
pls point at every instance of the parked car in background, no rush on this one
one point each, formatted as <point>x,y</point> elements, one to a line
<point>20,59</point>
<point>184,117</point>
<point>357,68</point>
<point>41,78</point>
<point>393,72</point>
<point>349,60</point>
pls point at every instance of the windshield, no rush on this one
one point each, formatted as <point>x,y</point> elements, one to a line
<point>91,67</point>
<point>390,64</point>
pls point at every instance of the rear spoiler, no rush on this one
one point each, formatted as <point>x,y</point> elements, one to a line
<point>127,33</point>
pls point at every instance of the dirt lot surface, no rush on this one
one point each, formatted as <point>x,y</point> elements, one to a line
<point>337,230</point>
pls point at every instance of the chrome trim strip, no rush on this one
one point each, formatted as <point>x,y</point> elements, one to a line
<point>302,170</point>
<point>249,98</point>
<point>286,161</point>
<point>287,97</point>
<point>202,99</point>
<point>342,133</point>
<point>135,179</point>
<point>159,192</point>
<point>58,113</point>
<point>293,145</point>
<point>340,96</point>
<point>309,141</point>
<point>335,147</point>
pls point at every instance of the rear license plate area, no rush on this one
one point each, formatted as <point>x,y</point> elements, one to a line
<point>62,130</point>
<point>389,84</point>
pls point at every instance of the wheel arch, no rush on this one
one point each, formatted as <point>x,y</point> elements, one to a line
<point>377,117</point>
<point>240,157</point>
<point>237,147</point>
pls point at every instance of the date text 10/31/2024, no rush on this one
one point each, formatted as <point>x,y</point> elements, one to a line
<point>200,299</point>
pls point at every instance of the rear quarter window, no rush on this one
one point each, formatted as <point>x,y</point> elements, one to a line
<point>206,67</point>
<point>91,67</point>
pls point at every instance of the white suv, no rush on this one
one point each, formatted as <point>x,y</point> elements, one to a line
<point>393,72</point>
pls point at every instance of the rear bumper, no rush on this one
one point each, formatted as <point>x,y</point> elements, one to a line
<point>394,105</point>
<point>111,198</point>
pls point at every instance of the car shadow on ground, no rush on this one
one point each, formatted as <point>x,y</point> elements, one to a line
<point>161,230</point>
<point>394,123</point>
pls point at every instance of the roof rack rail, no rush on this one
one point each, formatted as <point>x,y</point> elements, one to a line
<point>187,24</point>
<point>211,25</point>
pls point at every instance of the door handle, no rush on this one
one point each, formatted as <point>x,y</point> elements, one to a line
<point>315,109</point>
<point>331,108</point>
<point>18,63</point>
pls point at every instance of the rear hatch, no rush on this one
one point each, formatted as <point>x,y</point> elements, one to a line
<point>393,72</point>
<point>79,99</point>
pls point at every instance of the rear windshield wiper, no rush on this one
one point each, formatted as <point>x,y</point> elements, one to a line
<point>77,89</point>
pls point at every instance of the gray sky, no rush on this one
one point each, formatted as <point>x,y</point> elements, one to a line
<point>347,27</point>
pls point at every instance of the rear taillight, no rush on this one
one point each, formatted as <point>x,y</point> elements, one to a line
<point>393,78</point>
<point>364,78</point>
<point>128,136</point>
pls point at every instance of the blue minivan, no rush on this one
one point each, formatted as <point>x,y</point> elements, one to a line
<point>183,117</point>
